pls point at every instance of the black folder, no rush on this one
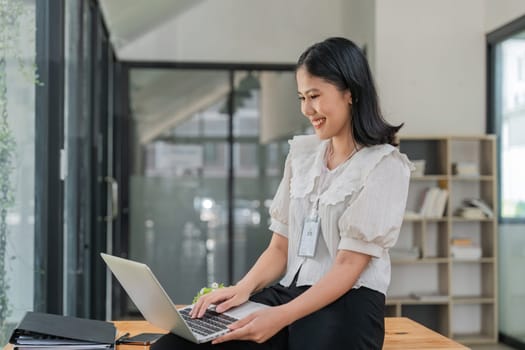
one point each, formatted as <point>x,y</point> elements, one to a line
<point>42,330</point>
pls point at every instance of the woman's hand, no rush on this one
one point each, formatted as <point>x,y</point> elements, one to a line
<point>224,298</point>
<point>258,326</point>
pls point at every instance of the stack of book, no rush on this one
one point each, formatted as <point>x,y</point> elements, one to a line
<point>397,253</point>
<point>465,249</point>
<point>48,331</point>
<point>465,169</point>
<point>434,203</point>
<point>412,215</point>
<point>475,209</point>
<point>470,213</point>
<point>419,167</point>
<point>429,297</point>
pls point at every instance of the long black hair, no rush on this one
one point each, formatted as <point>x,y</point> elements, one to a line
<point>342,63</point>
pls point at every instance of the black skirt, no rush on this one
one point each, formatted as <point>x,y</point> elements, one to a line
<point>355,321</point>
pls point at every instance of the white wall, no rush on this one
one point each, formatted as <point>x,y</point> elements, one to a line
<point>240,31</point>
<point>359,22</point>
<point>430,65</point>
<point>501,12</point>
<point>430,61</point>
<point>280,112</point>
<point>428,57</point>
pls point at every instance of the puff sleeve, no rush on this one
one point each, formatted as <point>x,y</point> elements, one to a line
<point>279,209</point>
<point>371,223</point>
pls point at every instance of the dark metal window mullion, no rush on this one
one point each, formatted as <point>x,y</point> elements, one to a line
<point>49,141</point>
<point>231,197</point>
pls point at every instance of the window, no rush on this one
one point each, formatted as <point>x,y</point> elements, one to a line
<point>506,98</point>
<point>521,68</point>
<point>509,110</point>
<point>17,162</point>
<point>212,225</point>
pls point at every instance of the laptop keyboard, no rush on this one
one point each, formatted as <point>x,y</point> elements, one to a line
<point>211,322</point>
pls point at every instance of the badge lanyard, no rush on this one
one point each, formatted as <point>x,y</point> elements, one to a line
<point>312,225</point>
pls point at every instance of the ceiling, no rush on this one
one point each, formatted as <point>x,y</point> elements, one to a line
<point>162,98</point>
<point>128,20</point>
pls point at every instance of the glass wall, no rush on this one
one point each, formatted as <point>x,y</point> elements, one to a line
<point>198,214</point>
<point>88,116</point>
<point>257,173</point>
<point>78,115</point>
<point>17,162</point>
<point>55,135</point>
<point>178,189</point>
<point>508,109</point>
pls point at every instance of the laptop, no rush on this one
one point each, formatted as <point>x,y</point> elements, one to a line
<point>153,302</point>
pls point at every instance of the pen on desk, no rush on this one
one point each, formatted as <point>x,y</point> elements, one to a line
<point>123,336</point>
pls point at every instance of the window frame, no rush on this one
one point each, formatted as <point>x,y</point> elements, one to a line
<point>51,160</point>
<point>493,122</point>
<point>49,141</point>
<point>122,106</point>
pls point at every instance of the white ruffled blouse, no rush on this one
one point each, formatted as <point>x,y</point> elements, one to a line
<point>361,207</point>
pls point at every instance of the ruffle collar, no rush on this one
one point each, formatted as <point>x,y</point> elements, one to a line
<point>307,157</point>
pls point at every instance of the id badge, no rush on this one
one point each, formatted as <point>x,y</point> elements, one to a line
<point>309,236</point>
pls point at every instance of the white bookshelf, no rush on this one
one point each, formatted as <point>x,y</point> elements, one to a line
<point>459,296</point>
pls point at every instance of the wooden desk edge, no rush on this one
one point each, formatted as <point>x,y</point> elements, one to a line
<point>399,329</point>
<point>401,333</point>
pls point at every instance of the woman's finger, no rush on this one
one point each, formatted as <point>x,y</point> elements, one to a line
<point>242,333</point>
<point>242,322</point>
<point>205,301</point>
<point>229,303</point>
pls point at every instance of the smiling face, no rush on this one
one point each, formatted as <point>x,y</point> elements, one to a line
<point>327,107</point>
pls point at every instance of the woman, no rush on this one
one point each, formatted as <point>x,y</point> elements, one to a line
<point>336,213</point>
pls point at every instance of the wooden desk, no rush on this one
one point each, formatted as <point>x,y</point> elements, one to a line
<point>401,333</point>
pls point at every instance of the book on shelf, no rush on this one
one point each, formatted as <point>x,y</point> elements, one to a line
<point>465,169</point>
<point>428,200</point>
<point>419,167</point>
<point>475,208</point>
<point>412,215</point>
<point>434,203</point>
<point>460,241</point>
<point>464,248</point>
<point>480,204</point>
<point>399,253</point>
<point>48,331</point>
<point>430,296</point>
<point>438,210</point>
<point>470,213</point>
<point>466,252</point>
